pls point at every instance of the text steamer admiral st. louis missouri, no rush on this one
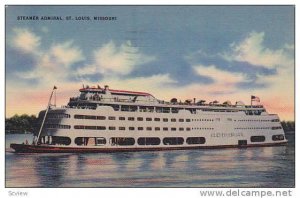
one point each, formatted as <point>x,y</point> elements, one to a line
<point>107,120</point>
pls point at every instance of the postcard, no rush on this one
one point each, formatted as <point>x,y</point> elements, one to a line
<point>154,96</point>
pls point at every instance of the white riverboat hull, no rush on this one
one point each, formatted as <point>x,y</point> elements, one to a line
<point>97,121</point>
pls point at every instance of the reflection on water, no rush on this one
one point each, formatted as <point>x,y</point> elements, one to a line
<point>251,167</point>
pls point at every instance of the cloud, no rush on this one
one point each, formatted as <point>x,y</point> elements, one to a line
<point>52,64</point>
<point>66,54</point>
<point>224,82</point>
<point>272,68</point>
<point>289,47</point>
<point>111,59</point>
<point>252,50</point>
<point>56,63</point>
<point>226,78</point>
<point>153,82</point>
<point>278,97</point>
<point>25,40</point>
<point>40,95</point>
<point>114,63</point>
<point>281,83</point>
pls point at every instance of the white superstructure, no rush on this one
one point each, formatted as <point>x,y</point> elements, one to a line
<point>110,120</point>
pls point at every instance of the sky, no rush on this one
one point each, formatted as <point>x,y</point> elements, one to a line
<point>204,52</point>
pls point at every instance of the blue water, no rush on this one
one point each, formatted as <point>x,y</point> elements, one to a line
<point>250,167</point>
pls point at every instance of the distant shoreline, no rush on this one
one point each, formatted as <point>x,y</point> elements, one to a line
<point>18,132</point>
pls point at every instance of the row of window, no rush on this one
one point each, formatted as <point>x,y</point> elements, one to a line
<point>253,112</point>
<point>132,108</point>
<point>129,141</point>
<point>263,138</point>
<point>57,126</point>
<point>58,115</point>
<point>209,128</point>
<point>87,127</point>
<point>131,128</point>
<point>255,128</point>
<point>138,118</point>
<point>273,120</point>
<point>62,115</point>
<point>148,109</point>
<point>130,118</point>
<point>205,120</point>
<point>89,117</point>
<point>218,110</point>
<point>274,128</point>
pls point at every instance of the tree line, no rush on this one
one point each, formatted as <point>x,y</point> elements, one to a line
<point>27,123</point>
<point>20,124</point>
<point>288,125</point>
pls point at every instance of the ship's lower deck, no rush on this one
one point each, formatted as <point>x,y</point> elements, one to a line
<point>135,140</point>
<point>25,148</point>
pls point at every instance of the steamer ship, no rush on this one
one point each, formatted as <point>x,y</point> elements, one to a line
<point>108,120</point>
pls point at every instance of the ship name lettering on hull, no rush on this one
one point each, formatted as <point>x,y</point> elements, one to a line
<point>221,135</point>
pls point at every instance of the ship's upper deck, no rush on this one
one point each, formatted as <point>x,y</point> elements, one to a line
<point>100,95</point>
<point>92,97</point>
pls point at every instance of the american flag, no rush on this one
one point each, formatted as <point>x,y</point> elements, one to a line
<point>255,98</point>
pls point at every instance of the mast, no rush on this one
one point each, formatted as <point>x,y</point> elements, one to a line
<point>48,107</point>
<point>55,98</point>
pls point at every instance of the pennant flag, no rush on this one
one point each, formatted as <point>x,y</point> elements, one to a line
<point>54,87</point>
<point>255,98</point>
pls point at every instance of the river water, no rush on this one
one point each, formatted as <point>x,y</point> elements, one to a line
<point>266,167</point>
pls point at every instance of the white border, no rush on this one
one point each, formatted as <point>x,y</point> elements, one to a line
<point>124,192</point>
